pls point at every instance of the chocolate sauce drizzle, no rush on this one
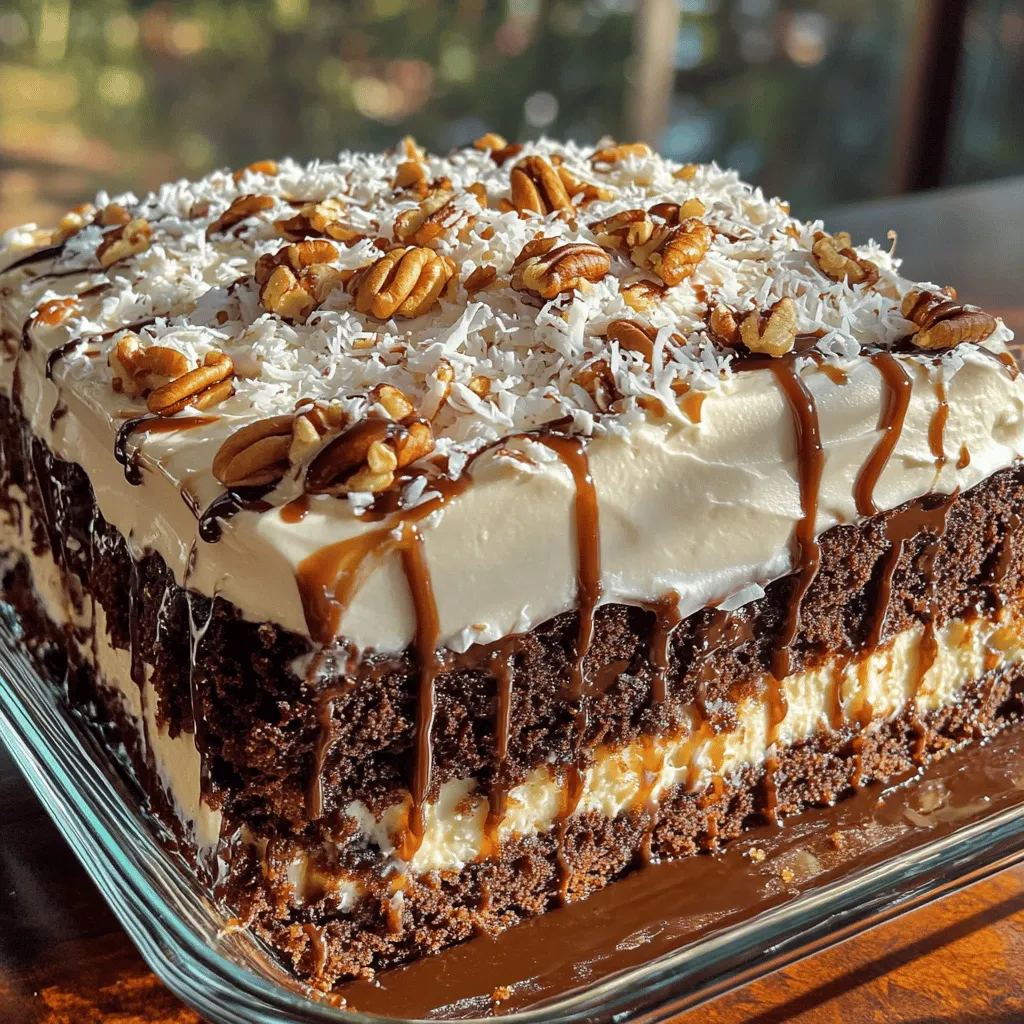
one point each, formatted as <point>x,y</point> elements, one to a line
<point>894,411</point>
<point>926,515</point>
<point>666,618</point>
<point>228,504</point>
<point>39,256</point>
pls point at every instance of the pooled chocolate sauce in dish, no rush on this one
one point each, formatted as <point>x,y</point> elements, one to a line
<point>660,908</point>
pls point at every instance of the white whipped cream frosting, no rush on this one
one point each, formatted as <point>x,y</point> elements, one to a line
<point>705,509</point>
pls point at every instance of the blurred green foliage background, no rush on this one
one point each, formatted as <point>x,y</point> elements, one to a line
<point>802,96</point>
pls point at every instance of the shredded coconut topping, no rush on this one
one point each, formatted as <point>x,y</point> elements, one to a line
<point>513,360</point>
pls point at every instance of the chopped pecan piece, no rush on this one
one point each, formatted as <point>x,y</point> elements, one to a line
<point>585,191</point>
<point>942,322</point>
<point>56,311</point>
<point>324,219</point>
<point>622,232</point>
<point>267,167</point>
<point>723,326</point>
<point>642,295</point>
<point>674,251</point>
<point>546,268</point>
<point>596,379</point>
<point>676,213</point>
<point>537,188</point>
<point>480,279</point>
<point>240,209</point>
<point>633,337</point>
<point>405,282</point>
<point>128,240</point>
<point>183,391</point>
<point>73,221</point>
<point>433,218</point>
<point>838,260</point>
<point>613,154</point>
<point>255,455</point>
<point>490,141</point>
<point>773,335</point>
<point>365,456</point>
<point>113,215</point>
<point>297,278</point>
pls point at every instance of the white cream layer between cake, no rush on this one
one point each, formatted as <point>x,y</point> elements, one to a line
<point>888,680</point>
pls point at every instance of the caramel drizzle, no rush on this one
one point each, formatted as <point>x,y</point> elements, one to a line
<point>894,412</point>
<point>937,426</point>
<point>503,670</point>
<point>811,461</point>
<point>428,631</point>
<point>573,454</point>
<point>296,510</point>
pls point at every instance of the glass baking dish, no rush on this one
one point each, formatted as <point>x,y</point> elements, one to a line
<point>228,977</point>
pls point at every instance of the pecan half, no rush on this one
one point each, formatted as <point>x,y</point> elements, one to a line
<point>674,251</point>
<point>405,282</point>
<point>128,240</point>
<point>240,209</point>
<point>365,456</point>
<point>185,390</point>
<point>537,188</point>
<point>837,260</point>
<point>256,454</point>
<point>773,335</point>
<point>547,269</point>
<point>942,322</point>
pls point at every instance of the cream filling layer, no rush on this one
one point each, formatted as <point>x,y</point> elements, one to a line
<point>621,778</point>
<point>175,758</point>
<point>704,509</point>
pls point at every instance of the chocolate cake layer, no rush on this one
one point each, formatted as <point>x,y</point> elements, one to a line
<point>398,918</point>
<point>263,728</point>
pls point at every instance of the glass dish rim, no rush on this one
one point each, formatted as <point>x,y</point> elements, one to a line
<point>142,883</point>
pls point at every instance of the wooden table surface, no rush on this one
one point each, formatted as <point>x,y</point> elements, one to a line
<point>65,960</point>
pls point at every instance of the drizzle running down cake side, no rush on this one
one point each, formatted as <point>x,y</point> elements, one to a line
<point>445,537</point>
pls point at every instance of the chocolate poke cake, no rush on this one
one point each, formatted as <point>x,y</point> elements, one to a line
<point>442,538</point>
